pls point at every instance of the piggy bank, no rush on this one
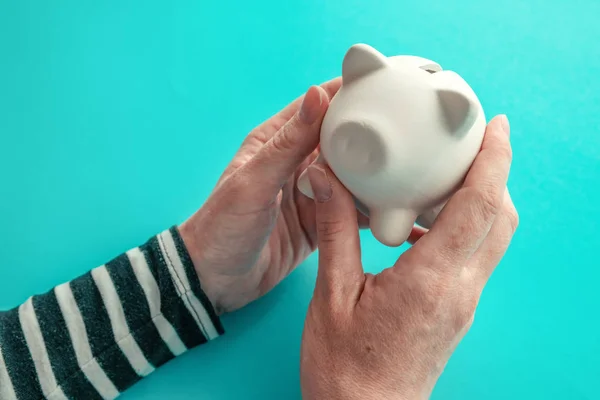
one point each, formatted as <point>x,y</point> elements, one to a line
<point>400,134</point>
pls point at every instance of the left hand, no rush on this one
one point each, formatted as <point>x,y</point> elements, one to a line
<point>256,227</point>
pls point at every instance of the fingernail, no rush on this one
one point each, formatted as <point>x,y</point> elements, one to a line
<point>505,124</point>
<point>311,105</point>
<point>320,183</point>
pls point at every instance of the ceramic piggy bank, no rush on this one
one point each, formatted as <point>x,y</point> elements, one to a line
<point>400,134</point>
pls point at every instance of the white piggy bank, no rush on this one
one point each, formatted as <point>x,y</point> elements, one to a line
<point>401,134</point>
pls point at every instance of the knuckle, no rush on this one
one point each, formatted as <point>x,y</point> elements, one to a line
<point>465,313</point>
<point>257,136</point>
<point>330,229</point>
<point>513,218</point>
<point>464,320</point>
<point>283,140</point>
<point>486,201</point>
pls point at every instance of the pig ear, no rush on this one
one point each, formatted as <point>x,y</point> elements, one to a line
<point>459,110</point>
<point>361,60</point>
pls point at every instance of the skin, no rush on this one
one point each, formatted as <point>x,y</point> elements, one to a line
<point>256,227</point>
<point>366,336</point>
<point>389,336</point>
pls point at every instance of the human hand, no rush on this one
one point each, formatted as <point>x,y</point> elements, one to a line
<point>389,336</point>
<point>256,227</point>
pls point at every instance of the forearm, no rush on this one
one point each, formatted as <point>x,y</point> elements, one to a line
<point>99,334</point>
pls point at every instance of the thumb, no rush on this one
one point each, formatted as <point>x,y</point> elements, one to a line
<point>340,275</point>
<point>279,158</point>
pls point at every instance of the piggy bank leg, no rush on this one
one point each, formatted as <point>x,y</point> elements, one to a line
<point>392,227</point>
<point>427,219</point>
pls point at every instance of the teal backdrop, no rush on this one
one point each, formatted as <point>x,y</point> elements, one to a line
<point>117,117</point>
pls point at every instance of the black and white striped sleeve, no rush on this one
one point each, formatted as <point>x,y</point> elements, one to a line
<point>94,337</point>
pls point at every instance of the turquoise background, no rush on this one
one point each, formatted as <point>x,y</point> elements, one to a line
<point>116,118</point>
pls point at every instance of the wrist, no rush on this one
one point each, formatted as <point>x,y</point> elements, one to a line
<point>368,392</point>
<point>226,287</point>
<point>335,384</point>
<point>192,239</point>
<point>354,391</point>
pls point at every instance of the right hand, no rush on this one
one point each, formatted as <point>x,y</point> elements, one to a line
<point>389,336</point>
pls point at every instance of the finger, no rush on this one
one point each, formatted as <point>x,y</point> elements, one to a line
<point>304,183</point>
<point>416,234</point>
<point>363,221</point>
<point>340,270</point>
<point>305,188</point>
<point>468,216</point>
<point>279,158</point>
<point>273,124</point>
<point>331,87</point>
<point>493,248</point>
<point>265,131</point>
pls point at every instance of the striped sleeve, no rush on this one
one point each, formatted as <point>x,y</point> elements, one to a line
<point>96,336</point>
